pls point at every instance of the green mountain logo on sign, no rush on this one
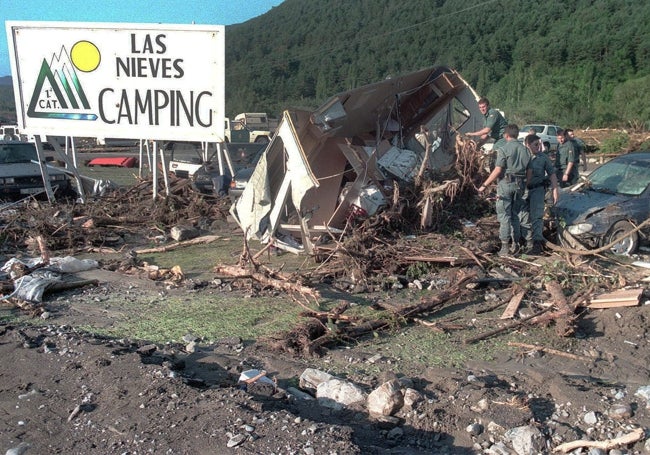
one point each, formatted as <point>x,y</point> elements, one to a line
<point>58,93</point>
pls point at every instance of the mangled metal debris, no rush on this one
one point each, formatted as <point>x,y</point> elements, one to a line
<point>344,160</point>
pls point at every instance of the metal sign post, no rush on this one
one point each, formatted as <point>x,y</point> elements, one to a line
<point>69,164</point>
<point>41,162</point>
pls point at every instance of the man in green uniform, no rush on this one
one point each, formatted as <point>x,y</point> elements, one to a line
<point>539,174</point>
<point>510,170</point>
<point>493,126</point>
<point>567,160</point>
<point>580,147</point>
<point>494,123</point>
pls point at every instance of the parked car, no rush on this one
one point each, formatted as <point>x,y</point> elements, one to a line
<point>13,133</point>
<point>239,181</point>
<point>20,173</point>
<point>611,201</point>
<point>9,133</point>
<point>208,180</point>
<point>547,133</point>
<point>241,177</point>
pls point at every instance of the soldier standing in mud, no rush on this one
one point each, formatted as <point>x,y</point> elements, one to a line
<point>567,160</point>
<point>539,175</point>
<point>512,160</point>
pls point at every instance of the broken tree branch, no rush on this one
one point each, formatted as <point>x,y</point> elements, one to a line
<point>278,283</point>
<point>173,246</point>
<point>438,326</point>
<point>505,328</point>
<point>636,435</point>
<point>473,256</point>
<point>549,351</point>
<point>564,316</point>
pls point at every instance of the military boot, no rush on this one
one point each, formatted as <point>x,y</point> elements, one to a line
<point>530,246</point>
<point>514,248</point>
<point>505,250</point>
<point>536,249</point>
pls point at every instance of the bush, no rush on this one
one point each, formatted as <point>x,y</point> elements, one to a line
<point>616,143</point>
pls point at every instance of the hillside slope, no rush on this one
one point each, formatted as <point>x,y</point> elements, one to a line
<point>546,61</point>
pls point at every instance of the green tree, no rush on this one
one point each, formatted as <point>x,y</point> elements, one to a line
<point>630,103</point>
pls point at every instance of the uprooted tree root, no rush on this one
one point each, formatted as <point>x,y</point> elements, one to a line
<point>299,339</point>
<point>329,328</point>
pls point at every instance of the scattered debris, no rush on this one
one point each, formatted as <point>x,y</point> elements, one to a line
<point>513,306</point>
<point>368,134</point>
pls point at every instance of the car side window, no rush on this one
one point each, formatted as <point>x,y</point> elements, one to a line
<point>552,131</point>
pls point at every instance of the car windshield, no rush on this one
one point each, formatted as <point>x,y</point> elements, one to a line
<point>17,153</point>
<point>628,176</point>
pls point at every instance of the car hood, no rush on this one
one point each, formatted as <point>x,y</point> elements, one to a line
<point>577,206</point>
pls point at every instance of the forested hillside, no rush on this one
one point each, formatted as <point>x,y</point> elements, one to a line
<point>578,63</point>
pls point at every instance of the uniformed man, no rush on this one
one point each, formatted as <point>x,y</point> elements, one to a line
<point>539,175</point>
<point>567,160</point>
<point>580,147</point>
<point>511,163</point>
<point>494,123</point>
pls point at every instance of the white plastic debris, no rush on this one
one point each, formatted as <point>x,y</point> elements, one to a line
<point>247,375</point>
<point>71,264</point>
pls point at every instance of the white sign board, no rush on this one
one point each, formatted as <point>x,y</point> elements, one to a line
<point>146,81</point>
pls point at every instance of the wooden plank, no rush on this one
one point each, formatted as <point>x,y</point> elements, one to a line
<point>612,304</point>
<point>621,293</point>
<point>513,306</point>
<point>621,298</point>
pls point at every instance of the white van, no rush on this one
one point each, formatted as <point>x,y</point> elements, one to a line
<point>12,133</point>
<point>9,133</point>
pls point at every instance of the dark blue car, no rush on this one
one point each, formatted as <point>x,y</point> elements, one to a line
<point>614,199</point>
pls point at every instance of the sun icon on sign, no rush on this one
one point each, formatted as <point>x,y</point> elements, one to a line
<point>85,56</point>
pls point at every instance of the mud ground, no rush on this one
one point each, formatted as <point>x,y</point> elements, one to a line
<point>65,391</point>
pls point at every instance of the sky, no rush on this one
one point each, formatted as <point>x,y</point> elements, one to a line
<point>202,12</point>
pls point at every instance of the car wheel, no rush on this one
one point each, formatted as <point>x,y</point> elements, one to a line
<point>262,140</point>
<point>627,245</point>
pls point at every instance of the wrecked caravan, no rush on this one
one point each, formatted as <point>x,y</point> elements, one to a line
<point>323,167</point>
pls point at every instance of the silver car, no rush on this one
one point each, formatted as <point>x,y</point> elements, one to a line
<point>547,133</point>
<point>20,173</point>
